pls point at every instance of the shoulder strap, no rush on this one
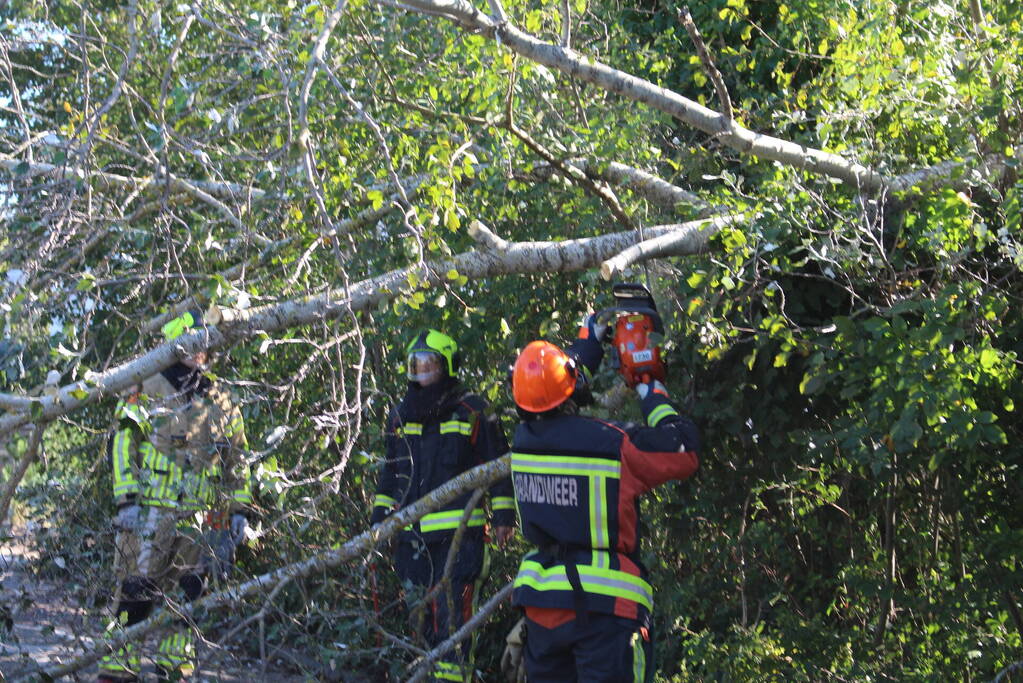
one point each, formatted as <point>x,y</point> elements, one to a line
<point>474,418</point>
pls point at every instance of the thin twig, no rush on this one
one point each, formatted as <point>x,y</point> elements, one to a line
<point>461,634</point>
<point>708,64</point>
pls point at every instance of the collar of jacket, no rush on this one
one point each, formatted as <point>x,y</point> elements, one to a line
<point>426,404</point>
<point>189,381</point>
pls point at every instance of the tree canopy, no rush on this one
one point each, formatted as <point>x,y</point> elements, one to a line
<point>823,195</point>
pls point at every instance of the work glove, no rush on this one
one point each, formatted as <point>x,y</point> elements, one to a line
<point>644,389</point>
<point>239,525</point>
<point>513,664</point>
<point>592,329</point>
<point>128,517</point>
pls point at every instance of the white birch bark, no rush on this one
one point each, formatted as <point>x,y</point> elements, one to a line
<point>687,238</point>
<point>518,257</point>
<point>479,477</point>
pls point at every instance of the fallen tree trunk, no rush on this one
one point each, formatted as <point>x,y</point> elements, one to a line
<point>481,476</point>
<point>518,257</point>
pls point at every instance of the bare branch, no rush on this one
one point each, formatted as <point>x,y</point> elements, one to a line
<point>11,485</point>
<point>112,181</point>
<point>486,237</point>
<point>461,634</point>
<point>708,64</point>
<point>480,476</point>
<point>687,238</point>
<point>519,257</point>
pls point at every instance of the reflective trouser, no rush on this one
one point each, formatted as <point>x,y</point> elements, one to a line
<point>124,661</point>
<point>604,649</point>
<point>422,564</point>
<point>174,551</point>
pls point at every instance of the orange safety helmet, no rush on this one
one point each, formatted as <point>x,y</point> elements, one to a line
<point>544,376</point>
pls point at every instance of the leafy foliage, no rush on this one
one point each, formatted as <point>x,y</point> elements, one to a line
<point>853,359</point>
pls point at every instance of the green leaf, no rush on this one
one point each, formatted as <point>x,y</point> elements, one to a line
<point>811,385</point>
<point>377,197</point>
<point>86,282</point>
<point>988,358</point>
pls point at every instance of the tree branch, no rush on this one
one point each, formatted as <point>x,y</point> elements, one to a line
<point>27,459</point>
<point>481,476</point>
<point>708,64</point>
<point>687,238</point>
<point>223,190</point>
<point>520,257</point>
<point>461,634</point>
<point>575,175</point>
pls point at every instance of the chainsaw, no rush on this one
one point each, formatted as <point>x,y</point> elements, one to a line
<point>637,334</point>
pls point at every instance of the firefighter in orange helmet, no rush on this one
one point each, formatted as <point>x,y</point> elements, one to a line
<point>577,480</point>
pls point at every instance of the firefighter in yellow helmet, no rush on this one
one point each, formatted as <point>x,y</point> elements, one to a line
<point>439,430</point>
<point>183,488</point>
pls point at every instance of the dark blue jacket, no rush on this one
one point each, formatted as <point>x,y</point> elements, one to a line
<point>423,454</point>
<point>577,482</point>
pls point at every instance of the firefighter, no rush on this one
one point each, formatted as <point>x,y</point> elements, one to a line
<point>191,493</point>
<point>438,431</point>
<point>127,449</point>
<point>577,481</point>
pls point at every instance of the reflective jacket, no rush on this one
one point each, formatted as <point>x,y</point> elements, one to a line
<point>423,455</point>
<point>197,455</point>
<point>577,481</point>
<point>128,448</point>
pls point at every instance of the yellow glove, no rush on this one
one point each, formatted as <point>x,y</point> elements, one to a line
<point>512,663</point>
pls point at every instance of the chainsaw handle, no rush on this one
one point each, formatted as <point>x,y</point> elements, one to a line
<point>607,315</point>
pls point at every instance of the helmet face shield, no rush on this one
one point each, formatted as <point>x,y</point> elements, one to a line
<point>438,344</point>
<point>426,367</point>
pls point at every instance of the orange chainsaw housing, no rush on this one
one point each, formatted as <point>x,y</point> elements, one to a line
<point>639,359</point>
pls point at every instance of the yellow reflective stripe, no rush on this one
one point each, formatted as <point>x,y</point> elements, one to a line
<point>197,493</point>
<point>161,489</point>
<point>456,427</point>
<point>446,671</point>
<point>450,519</point>
<point>236,426</point>
<point>638,658</point>
<point>124,660</point>
<point>659,413</point>
<point>124,478</point>
<point>384,501</point>
<point>410,429</point>
<point>610,582</point>
<point>599,534</point>
<point>566,465</point>
<point>503,503</point>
